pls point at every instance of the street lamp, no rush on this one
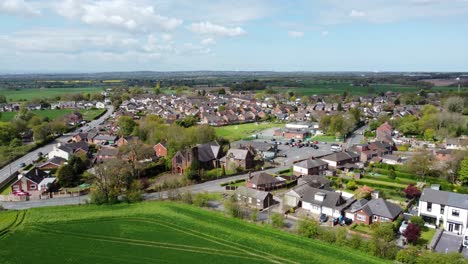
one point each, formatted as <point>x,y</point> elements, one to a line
<point>458,80</point>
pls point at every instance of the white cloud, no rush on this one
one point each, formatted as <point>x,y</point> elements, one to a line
<point>208,28</point>
<point>296,34</point>
<point>123,14</point>
<point>356,13</point>
<point>189,48</point>
<point>325,33</point>
<point>208,41</point>
<point>18,7</point>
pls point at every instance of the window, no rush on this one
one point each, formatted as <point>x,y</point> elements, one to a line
<point>361,217</point>
<point>374,218</point>
<point>455,212</point>
<point>442,208</point>
<point>15,187</point>
<point>33,186</point>
<point>429,207</point>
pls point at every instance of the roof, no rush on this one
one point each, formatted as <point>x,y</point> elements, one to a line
<point>383,208</point>
<point>446,198</point>
<point>391,157</point>
<point>208,151</point>
<point>112,152</point>
<point>239,154</point>
<point>310,163</point>
<point>315,181</point>
<point>263,178</point>
<point>105,137</point>
<point>36,175</point>
<point>331,199</point>
<point>55,160</point>
<point>339,156</point>
<point>252,192</point>
<point>357,205</point>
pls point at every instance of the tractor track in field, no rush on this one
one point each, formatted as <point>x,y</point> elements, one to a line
<point>146,243</point>
<point>19,218</point>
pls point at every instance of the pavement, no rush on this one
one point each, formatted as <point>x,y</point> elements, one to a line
<point>448,243</point>
<point>6,171</point>
<point>45,203</point>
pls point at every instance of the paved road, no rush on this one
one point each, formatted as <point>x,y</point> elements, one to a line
<point>45,203</point>
<point>28,158</point>
<point>356,137</point>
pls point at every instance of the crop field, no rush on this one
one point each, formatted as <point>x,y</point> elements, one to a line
<point>55,113</point>
<point>241,131</point>
<point>43,93</point>
<point>155,232</point>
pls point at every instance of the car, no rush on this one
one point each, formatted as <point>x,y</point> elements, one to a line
<point>287,143</point>
<point>403,227</point>
<point>323,218</point>
<point>315,142</point>
<point>22,164</point>
<point>40,154</point>
<point>273,139</point>
<point>292,140</point>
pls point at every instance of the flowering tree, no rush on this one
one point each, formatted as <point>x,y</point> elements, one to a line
<point>412,192</point>
<point>364,192</point>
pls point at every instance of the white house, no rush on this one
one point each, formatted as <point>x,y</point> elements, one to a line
<point>100,105</point>
<point>446,209</point>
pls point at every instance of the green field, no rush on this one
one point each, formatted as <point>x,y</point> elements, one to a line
<point>44,93</point>
<point>242,131</point>
<point>325,138</point>
<point>156,232</point>
<point>56,113</point>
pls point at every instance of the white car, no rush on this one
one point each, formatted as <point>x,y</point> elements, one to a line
<point>403,227</point>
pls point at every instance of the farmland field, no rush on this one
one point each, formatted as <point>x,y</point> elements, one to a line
<point>156,232</point>
<point>237,132</point>
<point>55,113</point>
<point>43,93</point>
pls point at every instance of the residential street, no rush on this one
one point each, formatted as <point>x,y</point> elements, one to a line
<point>28,158</point>
<point>357,136</point>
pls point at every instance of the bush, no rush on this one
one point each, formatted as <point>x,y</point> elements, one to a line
<point>351,185</point>
<point>408,256</point>
<point>308,228</point>
<point>277,220</point>
<point>327,235</point>
<point>202,199</point>
<point>412,192</point>
<point>417,220</point>
<point>355,241</point>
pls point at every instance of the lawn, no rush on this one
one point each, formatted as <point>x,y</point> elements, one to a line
<point>426,236</point>
<point>13,95</point>
<point>325,138</point>
<point>157,232</point>
<point>242,131</point>
<point>55,113</point>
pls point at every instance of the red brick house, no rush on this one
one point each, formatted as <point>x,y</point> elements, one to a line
<point>373,211</point>
<point>74,118</point>
<point>238,158</point>
<point>29,181</point>
<point>122,141</point>
<point>160,149</point>
<point>52,164</point>
<point>384,133</point>
<point>264,181</point>
<point>207,155</point>
<point>292,134</point>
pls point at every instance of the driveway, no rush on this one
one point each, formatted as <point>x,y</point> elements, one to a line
<point>448,243</point>
<point>6,171</point>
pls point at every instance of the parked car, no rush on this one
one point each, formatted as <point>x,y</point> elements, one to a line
<point>22,165</point>
<point>323,218</point>
<point>287,143</point>
<point>403,227</point>
<point>40,154</point>
<point>273,139</point>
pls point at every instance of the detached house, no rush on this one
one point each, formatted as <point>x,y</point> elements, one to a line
<point>65,151</point>
<point>339,159</point>
<point>265,181</point>
<point>310,167</point>
<point>254,198</point>
<point>207,155</point>
<point>160,149</point>
<point>374,211</point>
<point>29,181</point>
<point>444,208</point>
<point>238,158</point>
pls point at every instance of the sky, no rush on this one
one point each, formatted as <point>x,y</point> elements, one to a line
<point>44,36</point>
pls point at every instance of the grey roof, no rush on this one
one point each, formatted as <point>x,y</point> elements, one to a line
<point>331,199</point>
<point>383,208</point>
<point>457,200</point>
<point>240,154</point>
<point>208,151</point>
<point>55,160</point>
<point>112,152</point>
<point>105,137</point>
<point>74,146</point>
<point>391,157</point>
<point>264,178</point>
<point>356,206</point>
<point>36,175</point>
<point>315,181</point>
<point>251,192</point>
<point>339,156</point>
<point>310,163</point>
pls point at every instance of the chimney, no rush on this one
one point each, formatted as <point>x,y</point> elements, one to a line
<point>375,195</point>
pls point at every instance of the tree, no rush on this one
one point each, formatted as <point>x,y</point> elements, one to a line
<point>412,233</point>
<point>308,228</point>
<point>417,220</point>
<point>126,125</point>
<point>2,99</point>
<point>383,231</point>
<point>429,134</point>
<point>455,104</point>
<point>463,171</point>
<point>412,192</point>
<point>392,173</point>
<point>7,133</point>
<point>66,176</point>
<point>351,185</point>
<point>221,91</point>
<point>364,192</point>
<point>420,163</point>
<point>407,256</point>
<point>41,132</point>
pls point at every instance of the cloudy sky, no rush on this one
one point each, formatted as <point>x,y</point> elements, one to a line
<point>280,35</point>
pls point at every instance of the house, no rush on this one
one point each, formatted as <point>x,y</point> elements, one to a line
<point>316,181</point>
<point>391,159</point>
<point>375,211</point>
<point>105,139</point>
<point>442,208</point>
<point>100,105</point>
<point>310,167</point>
<point>254,198</point>
<point>105,153</point>
<point>160,149</point>
<point>207,155</point>
<point>65,151</point>
<point>83,136</point>
<point>339,159</point>
<point>317,201</point>
<point>238,158</point>
<point>292,133</point>
<point>384,133</point>
<point>122,141</point>
<point>74,118</point>
<point>265,181</point>
<point>29,181</point>
<point>456,143</point>
<point>52,163</point>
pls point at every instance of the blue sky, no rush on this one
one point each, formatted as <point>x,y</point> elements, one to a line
<point>279,35</point>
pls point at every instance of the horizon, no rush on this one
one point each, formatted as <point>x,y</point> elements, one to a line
<point>96,36</point>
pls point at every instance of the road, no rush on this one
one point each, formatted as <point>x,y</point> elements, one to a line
<point>356,137</point>
<point>6,171</point>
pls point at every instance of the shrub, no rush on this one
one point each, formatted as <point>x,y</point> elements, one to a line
<point>277,220</point>
<point>308,228</point>
<point>351,185</point>
<point>202,199</point>
<point>327,235</point>
<point>412,233</point>
<point>355,241</point>
<point>408,256</point>
<point>417,220</point>
<point>254,215</point>
<point>412,192</point>
<point>364,192</point>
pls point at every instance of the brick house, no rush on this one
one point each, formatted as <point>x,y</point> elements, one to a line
<point>74,118</point>
<point>373,211</point>
<point>292,133</point>
<point>160,149</point>
<point>207,155</point>
<point>29,181</point>
<point>52,164</point>
<point>339,159</point>
<point>265,181</point>
<point>254,198</point>
<point>384,133</point>
<point>238,158</point>
<point>310,167</point>
<point>122,141</point>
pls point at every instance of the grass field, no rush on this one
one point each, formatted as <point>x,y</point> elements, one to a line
<point>55,113</point>
<point>156,232</point>
<point>27,94</point>
<point>325,138</point>
<point>238,132</point>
